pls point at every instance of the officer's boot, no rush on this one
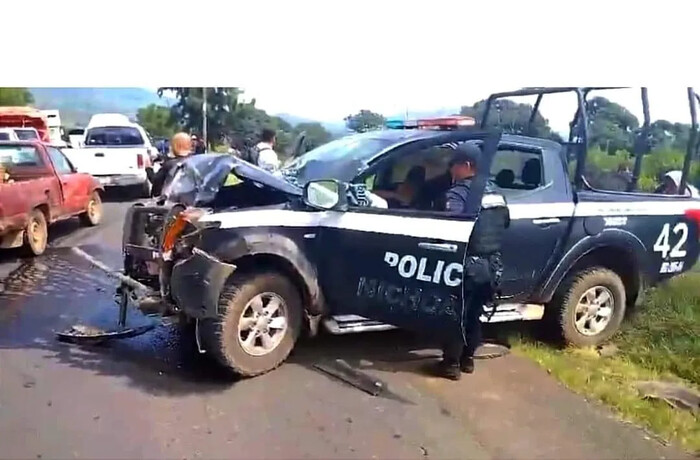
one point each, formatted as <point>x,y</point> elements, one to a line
<point>466,360</point>
<point>449,370</point>
<point>449,367</point>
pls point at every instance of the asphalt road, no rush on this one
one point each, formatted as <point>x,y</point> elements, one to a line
<point>154,396</point>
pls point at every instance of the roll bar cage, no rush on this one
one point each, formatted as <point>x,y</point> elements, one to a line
<point>578,128</point>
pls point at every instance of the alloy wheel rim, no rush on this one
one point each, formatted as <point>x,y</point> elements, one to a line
<point>594,311</point>
<point>263,324</point>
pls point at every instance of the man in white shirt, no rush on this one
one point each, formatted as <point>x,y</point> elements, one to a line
<point>267,157</point>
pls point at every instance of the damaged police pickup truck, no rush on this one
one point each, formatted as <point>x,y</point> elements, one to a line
<point>256,259</point>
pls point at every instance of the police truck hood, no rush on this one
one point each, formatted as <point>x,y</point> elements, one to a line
<point>199,178</point>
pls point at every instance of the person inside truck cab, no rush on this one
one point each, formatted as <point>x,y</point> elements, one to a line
<point>670,183</point>
<point>181,146</point>
<point>407,191</point>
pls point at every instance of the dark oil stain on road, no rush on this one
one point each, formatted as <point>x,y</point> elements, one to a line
<point>52,292</point>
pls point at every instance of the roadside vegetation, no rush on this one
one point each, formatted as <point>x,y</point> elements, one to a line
<point>659,342</point>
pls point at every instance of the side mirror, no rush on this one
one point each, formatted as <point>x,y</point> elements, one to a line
<point>325,194</point>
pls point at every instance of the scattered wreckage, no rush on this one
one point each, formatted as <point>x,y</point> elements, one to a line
<point>256,259</point>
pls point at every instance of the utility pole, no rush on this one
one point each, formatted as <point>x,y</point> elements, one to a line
<point>204,118</point>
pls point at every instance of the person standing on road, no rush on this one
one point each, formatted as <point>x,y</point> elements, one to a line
<point>483,268</point>
<point>267,158</point>
<point>181,145</point>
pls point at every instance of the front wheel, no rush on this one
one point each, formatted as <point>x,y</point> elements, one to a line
<point>260,319</point>
<point>590,306</point>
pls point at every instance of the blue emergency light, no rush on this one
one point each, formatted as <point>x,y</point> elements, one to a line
<point>397,123</point>
<point>451,122</point>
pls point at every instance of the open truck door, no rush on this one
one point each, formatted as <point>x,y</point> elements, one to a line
<point>400,267</point>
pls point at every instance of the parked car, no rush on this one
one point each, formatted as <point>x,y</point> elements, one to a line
<point>76,138</point>
<point>40,186</point>
<point>116,152</point>
<point>19,134</point>
<point>8,134</point>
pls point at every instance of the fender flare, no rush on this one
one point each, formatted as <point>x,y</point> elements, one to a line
<point>615,238</point>
<point>251,244</point>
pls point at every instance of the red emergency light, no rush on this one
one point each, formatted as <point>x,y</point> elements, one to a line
<point>452,122</point>
<point>446,122</point>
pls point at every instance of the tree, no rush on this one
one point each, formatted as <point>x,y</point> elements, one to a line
<point>15,97</point>
<point>610,126</point>
<point>316,134</point>
<point>221,105</point>
<point>512,117</point>
<point>669,136</point>
<point>157,120</point>
<point>364,120</point>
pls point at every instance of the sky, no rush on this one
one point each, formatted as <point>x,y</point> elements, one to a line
<point>332,104</point>
<point>327,59</point>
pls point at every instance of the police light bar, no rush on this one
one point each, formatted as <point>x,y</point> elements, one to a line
<point>452,122</point>
<point>446,122</point>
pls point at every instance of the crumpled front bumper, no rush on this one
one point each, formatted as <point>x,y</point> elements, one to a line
<point>197,282</point>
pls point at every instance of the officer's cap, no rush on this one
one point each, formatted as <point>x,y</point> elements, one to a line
<point>466,153</point>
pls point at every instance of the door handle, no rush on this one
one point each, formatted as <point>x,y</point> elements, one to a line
<point>99,154</point>
<point>545,222</point>
<point>443,247</point>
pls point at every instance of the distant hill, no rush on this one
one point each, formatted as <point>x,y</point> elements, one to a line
<point>333,127</point>
<point>78,104</point>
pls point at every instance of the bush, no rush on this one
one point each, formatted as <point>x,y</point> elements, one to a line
<point>599,164</point>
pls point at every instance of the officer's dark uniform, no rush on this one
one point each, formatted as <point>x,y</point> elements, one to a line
<point>483,268</point>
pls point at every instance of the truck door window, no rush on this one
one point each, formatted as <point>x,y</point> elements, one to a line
<point>516,171</point>
<point>417,181</point>
<point>60,162</point>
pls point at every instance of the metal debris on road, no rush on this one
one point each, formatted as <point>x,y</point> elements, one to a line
<point>341,370</point>
<point>88,334</point>
<point>113,273</point>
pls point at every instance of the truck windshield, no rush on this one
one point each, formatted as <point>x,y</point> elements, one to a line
<point>341,159</point>
<point>114,136</point>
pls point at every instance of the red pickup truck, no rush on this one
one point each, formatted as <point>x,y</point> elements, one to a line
<point>39,186</point>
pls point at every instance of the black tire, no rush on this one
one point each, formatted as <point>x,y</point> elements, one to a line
<point>221,337</point>
<point>145,190</point>
<point>36,233</point>
<point>600,281</point>
<point>93,212</point>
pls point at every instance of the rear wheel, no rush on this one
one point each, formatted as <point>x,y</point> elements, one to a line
<point>36,234</point>
<point>93,212</point>
<point>591,306</point>
<point>260,319</point>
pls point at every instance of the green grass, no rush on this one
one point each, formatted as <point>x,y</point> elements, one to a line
<point>660,341</point>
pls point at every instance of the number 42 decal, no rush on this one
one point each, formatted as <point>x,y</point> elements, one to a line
<point>663,246</point>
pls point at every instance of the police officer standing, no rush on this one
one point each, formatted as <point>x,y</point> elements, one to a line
<point>483,268</point>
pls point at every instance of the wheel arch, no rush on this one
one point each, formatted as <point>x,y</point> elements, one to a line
<point>280,253</point>
<point>618,250</point>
